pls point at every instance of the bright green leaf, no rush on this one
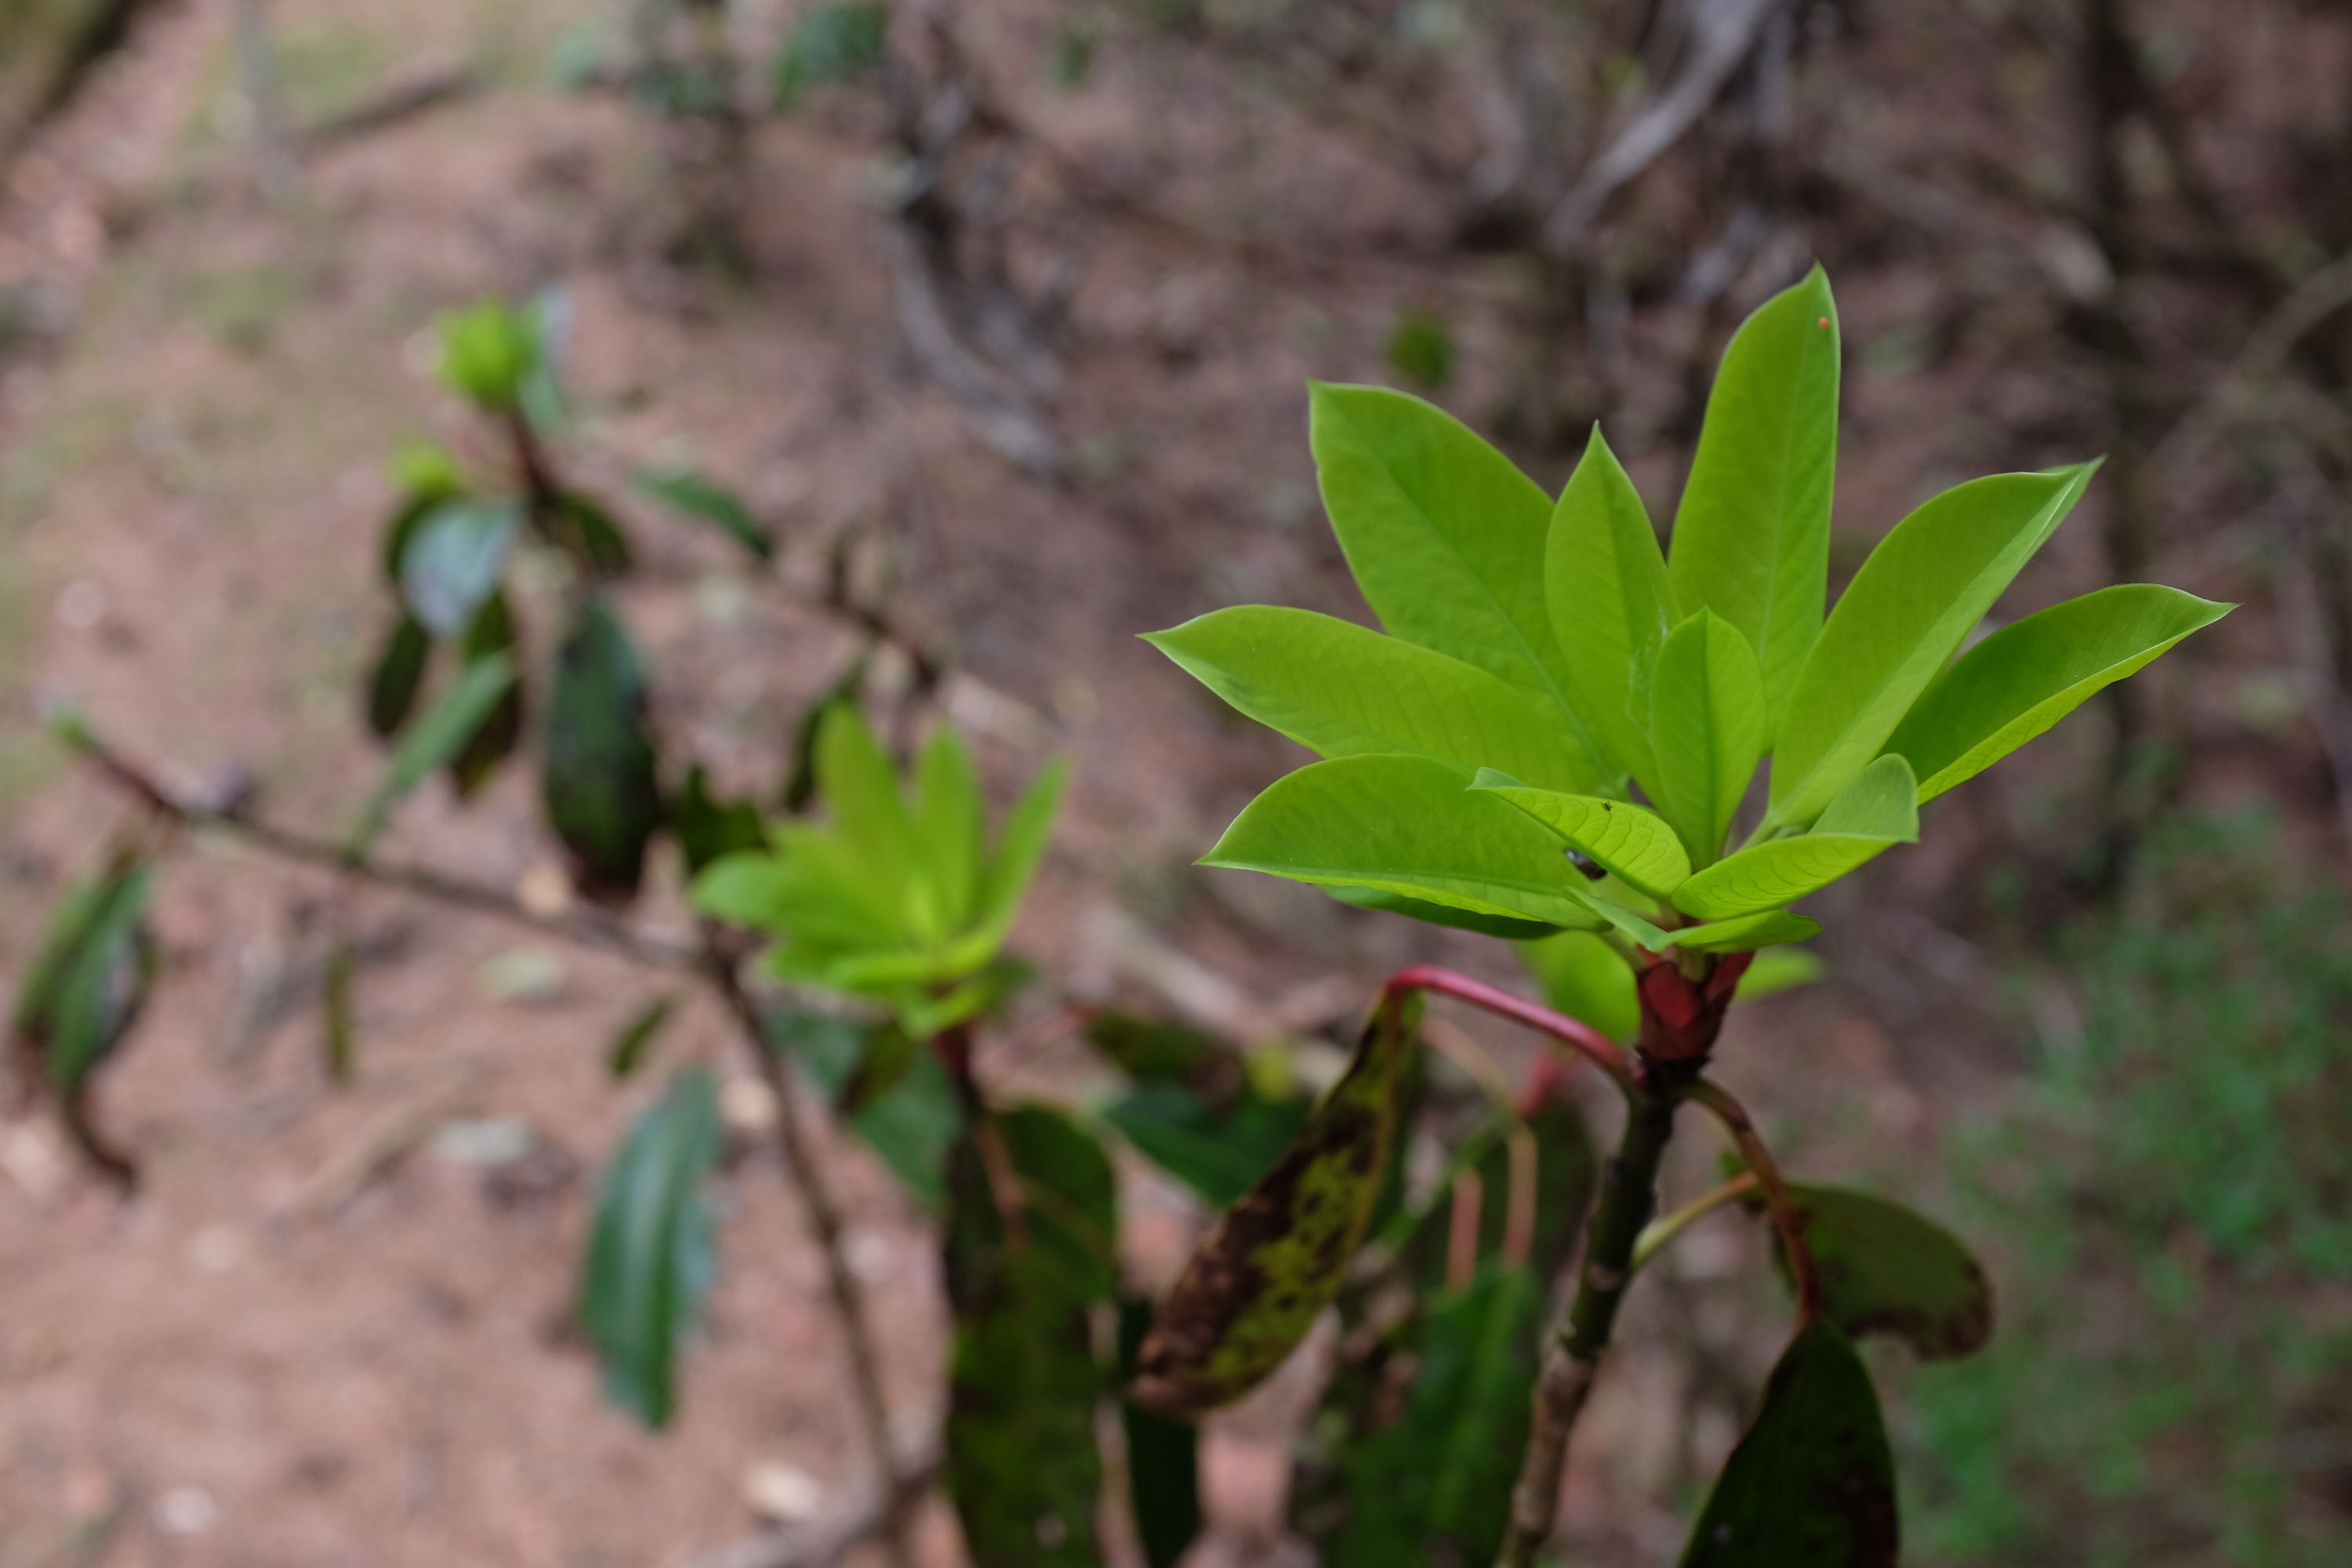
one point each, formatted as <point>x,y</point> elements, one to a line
<point>1406,826</point>
<point>1446,538</point>
<point>1706,727</point>
<point>1875,812</point>
<point>487,350</point>
<point>859,787</point>
<point>1584,977</point>
<point>1637,846</point>
<point>1928,583</point>
<point>947,822</point>
<point>1508,928</point>
<point>2027,675</point>
<point>1746,933</point>
<point>1611,605</point>
<point>710,830</point>
<point>1012,863</point>
<point>1751,535</point>
<point>1785,969</point>
<point>1812,1481</point>
<point>651,1249</point>
<point>1341,690</point>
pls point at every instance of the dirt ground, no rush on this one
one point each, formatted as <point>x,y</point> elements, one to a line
<point>335,1328</point>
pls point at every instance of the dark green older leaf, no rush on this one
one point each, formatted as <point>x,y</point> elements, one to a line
<point>1217,1150</point>
<point>635,1041</point>
<point>91,977</point>
<point>1022,1466</point>
<point>451,560</point>
<point>1433,1488</point>
<point>1886,1269</point>
<point>1812,1482</point>
<point>1163,1459</point>
<point>397,676</point>
<point>592,536</point>
<point>1275,1258</point>
<point>651,1253</point>
<point>694,495</point>
<point>911,1126</point>
<point>494,740</point>
<point>1158,1051</point>
<point>709,828</point>
<point>598,780</point>
<point>433,741</point>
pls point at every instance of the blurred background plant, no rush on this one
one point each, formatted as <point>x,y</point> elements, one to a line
<point>1003,315</point>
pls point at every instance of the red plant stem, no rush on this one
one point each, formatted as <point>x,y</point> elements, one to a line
<point>1787,1218</point>
<point>1594,1046</point>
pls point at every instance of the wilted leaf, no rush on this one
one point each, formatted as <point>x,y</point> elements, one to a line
<point>1812,1482</point>
<point>597,780</point>
<point>1163,1459</point>
<point>635,1041</point>
<point>397,676</point>
<point>651,1253</point>
<point>1887,1270</point>
<point>694,495</point>
<point>1277,1257</point>
<point>1022,1467</point>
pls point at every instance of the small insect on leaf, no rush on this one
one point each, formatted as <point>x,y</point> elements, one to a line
<point>1813,1481</point>
<point>1275,1258</point>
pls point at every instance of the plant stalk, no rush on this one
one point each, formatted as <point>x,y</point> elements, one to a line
<point>1629,1190</point>
<point>803,1170</point>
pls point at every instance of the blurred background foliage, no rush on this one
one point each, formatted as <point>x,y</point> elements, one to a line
<point>1006,311</point>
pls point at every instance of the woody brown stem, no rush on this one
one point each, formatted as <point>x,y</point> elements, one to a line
<point>803,1169</point>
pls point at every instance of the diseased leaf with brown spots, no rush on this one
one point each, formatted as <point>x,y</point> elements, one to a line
<point>1277,1257</point>
<point>1886,1269</point>
<point>1812,1483</point>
